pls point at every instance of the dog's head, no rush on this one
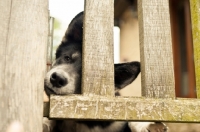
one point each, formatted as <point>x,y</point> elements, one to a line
<point>65,76</point>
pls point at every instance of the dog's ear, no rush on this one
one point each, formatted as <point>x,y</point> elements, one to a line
<point>126,73</point>
<point>75,29</point>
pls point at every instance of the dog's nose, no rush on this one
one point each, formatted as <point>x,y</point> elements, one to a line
<point>58,80</point>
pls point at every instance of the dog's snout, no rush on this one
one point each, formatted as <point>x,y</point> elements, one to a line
<point>58,80</point>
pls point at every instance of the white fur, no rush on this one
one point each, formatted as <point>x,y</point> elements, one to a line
<point>67,89</point>
<point>147,127</point>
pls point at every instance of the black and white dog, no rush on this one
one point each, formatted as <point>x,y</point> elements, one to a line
<point>65,78</point>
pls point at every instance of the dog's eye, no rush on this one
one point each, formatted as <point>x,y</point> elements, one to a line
<point>67,58</point>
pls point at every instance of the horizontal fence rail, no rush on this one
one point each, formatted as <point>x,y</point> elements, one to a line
<point>122,108</point>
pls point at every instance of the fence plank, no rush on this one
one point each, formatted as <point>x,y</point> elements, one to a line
<point>46,106</point>
<point>24,32</point>
<point>195,14</point>
<point>156,49</point>
<point>121,108</point>
<point>98,68</point>
<point>50,43</point>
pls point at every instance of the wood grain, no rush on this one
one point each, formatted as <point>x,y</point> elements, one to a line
<point>121,108</point>
<point>156,49</point>
<point>24,32</point>
<point>98,68</point>
<point>50,43</point>
<point>157,72</point>
<point>195,14</point>
<point>46,106</point>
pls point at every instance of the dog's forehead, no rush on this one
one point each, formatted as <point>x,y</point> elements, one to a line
<point>74,53</point>
<point>71,48</point>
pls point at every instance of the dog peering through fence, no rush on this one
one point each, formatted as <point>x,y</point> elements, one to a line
<point>158,102</point>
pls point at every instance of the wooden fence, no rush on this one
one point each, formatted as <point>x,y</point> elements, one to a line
<point>23,56</point>
<point>158,102</point>
<point>24,33</point>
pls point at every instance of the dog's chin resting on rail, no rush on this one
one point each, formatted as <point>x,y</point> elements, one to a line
<point>65,78</point>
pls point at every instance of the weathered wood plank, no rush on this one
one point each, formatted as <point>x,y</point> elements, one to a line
<point>195,14</point>
<point>121,108</point>
<point>156,49</point>
<point>5,10</point>
<point>98,68</point>
<point>46,106</point>
<point>50,43</point>
<point>24,32</point>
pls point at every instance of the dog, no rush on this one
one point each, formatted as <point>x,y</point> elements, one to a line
<point>65,78</point>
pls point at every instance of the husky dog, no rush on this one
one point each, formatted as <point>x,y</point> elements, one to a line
<point>65,78</point>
